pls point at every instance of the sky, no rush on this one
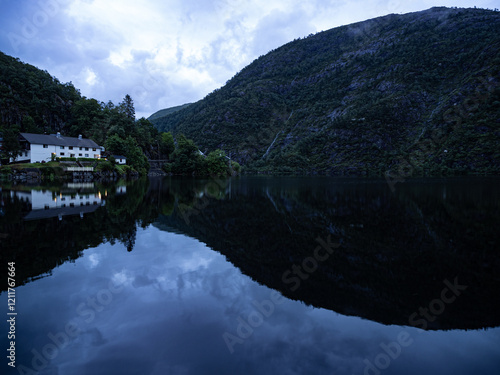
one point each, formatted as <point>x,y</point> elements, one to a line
<point>165,53</point>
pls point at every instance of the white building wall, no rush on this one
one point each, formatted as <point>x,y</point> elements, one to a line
<point>46,200</point>
<point>39,153</point>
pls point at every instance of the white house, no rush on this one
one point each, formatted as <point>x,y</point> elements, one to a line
<point>120,159</point>
<point>41,147</point>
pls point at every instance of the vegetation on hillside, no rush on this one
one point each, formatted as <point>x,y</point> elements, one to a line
<point>167,111</point>
<point>186,159</point>
<point>33,101</point>
<point>406,94</point>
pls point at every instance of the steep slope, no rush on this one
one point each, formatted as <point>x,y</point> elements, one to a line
<point>411,94</point>
<point>156,118</point>
<point>32,98</point>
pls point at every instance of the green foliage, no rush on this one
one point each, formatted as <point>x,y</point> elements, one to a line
<point>217,164</point>
<point>357,98</point>
<point>167,145</point>
<point>116,145</point>
<point>11,147</point>
<point>105,166</point>
<point>135,157</point>
<point>127,107</point>
<point>187,160</point>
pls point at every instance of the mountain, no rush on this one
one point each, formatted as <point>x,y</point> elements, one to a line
<point>156,118</point>
<point>412,94</point>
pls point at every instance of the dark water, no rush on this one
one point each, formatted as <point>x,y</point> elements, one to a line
<point>253,276</point>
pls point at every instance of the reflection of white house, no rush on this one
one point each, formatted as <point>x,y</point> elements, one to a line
<point>120,159</point>
<point>44,200</point>
<point>41,147</point>
<point>45,204</point>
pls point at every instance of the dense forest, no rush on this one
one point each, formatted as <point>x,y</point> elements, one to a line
<point>33,101</point>
<point>413,94</point>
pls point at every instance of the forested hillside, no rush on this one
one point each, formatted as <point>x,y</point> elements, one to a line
<point>406,94</point>
<point>33,101</point>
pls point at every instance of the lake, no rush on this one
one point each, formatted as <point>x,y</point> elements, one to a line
<point>252,275</point>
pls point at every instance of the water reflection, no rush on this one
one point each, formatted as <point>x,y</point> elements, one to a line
<point>384,257</point>
<point>396,250</point>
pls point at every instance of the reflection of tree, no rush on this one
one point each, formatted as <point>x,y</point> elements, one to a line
<point>40,245</point>
<point>128,239</point>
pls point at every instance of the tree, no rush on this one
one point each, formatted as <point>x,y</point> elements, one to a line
<point>87,118</point>
<point>127,107</point>
<point>167,145</point>
<point>217,164</point>
<point>186,157</point>
<point>11,147</point>
<point>116,145</point>
<point>29,125</point>
<point>135,157</point>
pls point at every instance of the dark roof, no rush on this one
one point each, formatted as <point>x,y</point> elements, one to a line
<point>119,156</point>
<point>52,139</point>
<point>64,211</point>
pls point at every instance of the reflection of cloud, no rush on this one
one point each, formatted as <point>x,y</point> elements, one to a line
<point>141,281</point>
<point>148,329</point>
<point>93,260</point>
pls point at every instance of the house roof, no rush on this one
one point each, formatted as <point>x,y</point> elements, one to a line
<point>52,139</point>
<point>119,156</point>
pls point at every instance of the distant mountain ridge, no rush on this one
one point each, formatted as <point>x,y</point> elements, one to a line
<point>165,112</point>
<point>418,91</point>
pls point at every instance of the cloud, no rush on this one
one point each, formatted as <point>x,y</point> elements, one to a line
<point>169,52</point>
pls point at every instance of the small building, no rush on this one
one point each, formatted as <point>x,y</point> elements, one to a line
<point>120,159</point>
<point>40,147</point>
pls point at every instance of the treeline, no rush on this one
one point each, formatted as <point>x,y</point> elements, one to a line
<point>32,101</point>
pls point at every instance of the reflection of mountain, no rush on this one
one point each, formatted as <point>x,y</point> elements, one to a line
<point>395,252</point>
<point>41,230</point>
<point>396,249</point>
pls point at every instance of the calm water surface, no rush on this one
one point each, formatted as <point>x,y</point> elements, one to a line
<point>254,276</point>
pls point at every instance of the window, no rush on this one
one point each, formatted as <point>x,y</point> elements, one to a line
<point>81,148</point>
<point>93,149</point>
<point>62,147</point>
<point>45,146</point>
<point>26,153</point>
<point>62,153</point>
<point>70,147</point>
<point>86,155</point>
<point>86,148</point>
<point>79,154</point>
